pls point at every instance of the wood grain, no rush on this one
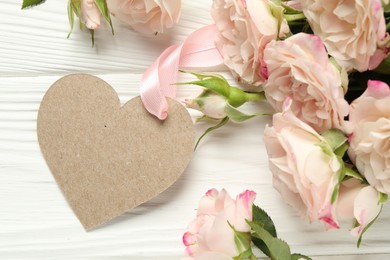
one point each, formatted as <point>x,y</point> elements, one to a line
<point>36,222</point>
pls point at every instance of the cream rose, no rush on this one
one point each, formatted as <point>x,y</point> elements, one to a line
<point>90,14</point>
<point>209,236</point>
<point>357,201</point>
<point>370,139</point>
<point>298,67</point>
<point>146,16</point>
<point>244,29</point>
<point>354,32</point>
<point>209,103</point>
<point>303,173</point>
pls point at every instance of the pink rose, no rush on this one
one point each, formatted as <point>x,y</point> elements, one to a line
<point>298,67</point>
<point>209,236</point>
<point>302,172</point>
<point>357,201</point>
<point>146,16</point>
<point>90,14</point>
<point>354,32</point>
<point>244,29</point>
<point>370,140</point>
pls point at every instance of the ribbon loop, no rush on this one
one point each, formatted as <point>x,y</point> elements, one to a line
<point>198,50</point>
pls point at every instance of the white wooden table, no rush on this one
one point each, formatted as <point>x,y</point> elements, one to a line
<point>35,220</point>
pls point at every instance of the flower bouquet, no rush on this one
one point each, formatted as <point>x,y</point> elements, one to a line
<point>324,68</point>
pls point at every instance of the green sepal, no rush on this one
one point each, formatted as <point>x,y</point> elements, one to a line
<point>218,84</point>
<point>242,240</point>
<point>220,124</point>
<point>340,152</point>
<point>384,67</point>
<point>248,254</point>
<point>334,137</point>
<point>343,74</point>
<point>277,248</point>
<point>335,144</point>
<point>341,175</point>
<point>70,17</point>
<point>299,256</point>
<point>325,147</point>
<point>76,7</point>
<point>366,228</point>
<point>237,116</point>
<point>92,32</point>
<point>31,3</point>
<point>277,11</point>
<point>352,173</point>
<point>102,5</point>
<point>386,7</point>
<point>383,197</point>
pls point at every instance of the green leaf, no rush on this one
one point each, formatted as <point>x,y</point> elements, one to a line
<point>262,218</point>
<point>278,249</point>
<point>366,228</point>
<point>299,256</point>
<point>31,3</point>
<point>335,138</point>
<point>70,17</point>
<point>220,124</point>
<point>352,173</point>
<point>102,5</point>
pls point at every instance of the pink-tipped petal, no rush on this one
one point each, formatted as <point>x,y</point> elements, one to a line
<point>366,208</point>
<point>189,239</point>
<point>377,89</point>
<point>247,198</point>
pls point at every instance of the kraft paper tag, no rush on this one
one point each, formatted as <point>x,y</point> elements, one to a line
<point>108,158</point>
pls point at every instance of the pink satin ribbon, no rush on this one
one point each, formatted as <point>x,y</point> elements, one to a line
<point>198,50</point>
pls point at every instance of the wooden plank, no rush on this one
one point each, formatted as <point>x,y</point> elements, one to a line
<point>33,41</point>
<point>36,222</point>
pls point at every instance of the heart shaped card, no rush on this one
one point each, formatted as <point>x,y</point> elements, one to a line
<point>107,158</point>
